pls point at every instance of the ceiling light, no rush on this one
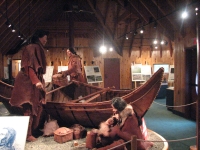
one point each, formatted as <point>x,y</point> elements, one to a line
<point>102,49</point>
<point>156,47</point>
<point>19,35</point>
<point>184,15</point>
<point>162,42</point>
<point>126,36</point>
<point>111,49</point>
<point>196,9</point>
<point>142,30</point>
<point>8,24</point>
<point>13,29</point>
<point>155,42</point>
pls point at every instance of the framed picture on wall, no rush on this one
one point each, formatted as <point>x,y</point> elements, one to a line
<point>93,74</point>
<point>48,75</point>
<point>171,72</point>
<point>157,66</point>
<point>140,72</point>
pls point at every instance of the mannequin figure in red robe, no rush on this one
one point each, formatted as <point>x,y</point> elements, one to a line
<point>28,92</point>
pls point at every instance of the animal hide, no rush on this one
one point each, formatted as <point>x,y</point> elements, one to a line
<point>49,127</point>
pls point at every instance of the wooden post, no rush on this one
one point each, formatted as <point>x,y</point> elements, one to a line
<point>134,142</point>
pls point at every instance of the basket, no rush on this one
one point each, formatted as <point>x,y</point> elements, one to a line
<point>63,134</point>
<point>58,79</point>
<point>78,131</point>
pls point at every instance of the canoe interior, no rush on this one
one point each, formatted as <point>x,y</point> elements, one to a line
<point>90,105</point>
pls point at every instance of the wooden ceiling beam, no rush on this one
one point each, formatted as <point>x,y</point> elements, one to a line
<point>116,15</point>
<point>133,37</point>
<point>106,28</point>
<point>6,34</point>
<point>167,26</point>
<point>34,21</point>
<point>165,10</point>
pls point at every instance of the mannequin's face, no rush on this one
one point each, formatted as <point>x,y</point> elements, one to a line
<point>114,109</point>
<point>43,40</point>
<point>69,53</point>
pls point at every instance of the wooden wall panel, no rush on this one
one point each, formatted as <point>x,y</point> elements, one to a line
<point>182,41</point>
<point>56,55</point>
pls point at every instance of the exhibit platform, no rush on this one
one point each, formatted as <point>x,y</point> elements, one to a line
<point>48,143</point>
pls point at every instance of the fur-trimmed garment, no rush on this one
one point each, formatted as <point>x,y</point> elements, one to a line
<point>126,127</point>
<point>74,69</point>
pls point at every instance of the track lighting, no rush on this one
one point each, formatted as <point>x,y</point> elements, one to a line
<point>126,36</point>
<point>8,24</point>
<point>13,29</point>
<point>155,41</point>
<point>162,42</point>
<point>155,25</point>
<point>142,30</point>
<point>19,35</point>
<point>135,33</point>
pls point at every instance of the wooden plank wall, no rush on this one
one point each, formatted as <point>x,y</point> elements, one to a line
<point>182,41</point>
<point>57,56</point>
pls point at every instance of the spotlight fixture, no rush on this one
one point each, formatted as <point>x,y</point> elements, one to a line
<point>111,49</point>
<point>184,15</point>
<point>8,24</point>
<point>103,49</point>
<point>196,9</point>
<point>156,47</point>
<point>13,29</point>
<point>162,42</point>
<point>135,33</point>
<point>142,30</point>
<point>155,41</point>
<point>19,35</point>
<point>126,36</point>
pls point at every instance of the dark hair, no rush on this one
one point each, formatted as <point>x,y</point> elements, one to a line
<point>72,50</point>
<point>38,34</point>
<point>119,103</point>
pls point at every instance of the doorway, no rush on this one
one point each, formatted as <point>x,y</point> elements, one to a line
<point>191,85</point>
<point>112,72</point>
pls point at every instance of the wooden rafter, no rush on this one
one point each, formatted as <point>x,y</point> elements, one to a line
<point>132,38</point>
<point>106,28</point>
<point>166,25</point>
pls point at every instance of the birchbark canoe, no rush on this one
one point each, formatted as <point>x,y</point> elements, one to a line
<point>91,105</point>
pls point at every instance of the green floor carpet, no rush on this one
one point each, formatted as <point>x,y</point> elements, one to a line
<point>170,126</point>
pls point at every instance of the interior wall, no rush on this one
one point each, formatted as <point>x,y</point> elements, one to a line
<point>57,57</point>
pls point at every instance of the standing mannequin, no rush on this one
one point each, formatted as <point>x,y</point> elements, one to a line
<point>74,66</point>
<point>28,92</point>
<point>74,70</point>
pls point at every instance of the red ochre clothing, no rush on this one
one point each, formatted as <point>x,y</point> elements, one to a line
<point>33,66</point>
<point>74,69</point>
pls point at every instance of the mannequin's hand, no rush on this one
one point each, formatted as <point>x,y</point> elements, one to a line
<point>39,85</point>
